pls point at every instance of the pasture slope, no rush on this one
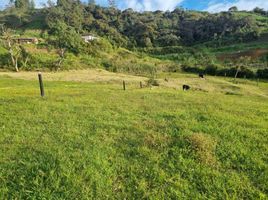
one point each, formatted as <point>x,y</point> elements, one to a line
<point>92,140</point>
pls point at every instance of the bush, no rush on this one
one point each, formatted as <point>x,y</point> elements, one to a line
<point>211,69</point>
<point>194,69</point>
<point>226,72</point>
<point>246,72</point>
<point>262,73</point>
<point>215,69</point>
<point>165,50</point>
<point>152,82</point>
<point>174,68</point>
<point>4,60</point>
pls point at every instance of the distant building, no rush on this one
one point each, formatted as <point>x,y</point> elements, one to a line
<point>88,38</point>
<point>26,40</point>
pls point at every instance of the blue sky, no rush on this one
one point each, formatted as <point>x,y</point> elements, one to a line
<point>209,5</point>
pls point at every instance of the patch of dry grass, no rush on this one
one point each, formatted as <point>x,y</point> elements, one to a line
<point>156,140</point>
<point>90,75</point>
<point>204,147</point>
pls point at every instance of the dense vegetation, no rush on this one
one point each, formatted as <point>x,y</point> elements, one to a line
<point>96,141</point>
<point>184,40</point>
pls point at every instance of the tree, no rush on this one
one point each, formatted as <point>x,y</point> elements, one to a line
<point>22,4</point>
<point>70,12</point>
<point>65,38</point>
<point>25,56</point>
<point>50,3</point>
<point>168,40</point>
<point>259,11</point>
<point>112,3</point>
<point>233,9</point>
<point>32,4</point>
<point>91,2</point>
<point>10,45</point>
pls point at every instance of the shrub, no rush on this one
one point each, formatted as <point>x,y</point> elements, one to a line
<point>165,50</point>
<point>262,73</point>
<point>211,69</point>
<point>246,72</point>
<point>152,82</point>
<point>193,69</point>
<point>173,68</point>
<point>243,72</point>
<point>4,60</point>
<point>226,71</point>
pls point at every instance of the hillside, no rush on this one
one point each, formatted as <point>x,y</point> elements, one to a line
<point>138,43</point>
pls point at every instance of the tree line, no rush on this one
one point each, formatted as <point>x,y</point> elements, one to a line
<point>132,29</point>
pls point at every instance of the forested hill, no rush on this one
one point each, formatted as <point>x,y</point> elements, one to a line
<point>140,29</point>
<point>134,42</point>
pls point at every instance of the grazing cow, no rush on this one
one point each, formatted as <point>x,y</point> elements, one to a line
<point>186,87</point>
<point>201,75</point>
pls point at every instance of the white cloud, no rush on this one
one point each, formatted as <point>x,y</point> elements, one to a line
<point>240,4</point>
<point>151,5</point>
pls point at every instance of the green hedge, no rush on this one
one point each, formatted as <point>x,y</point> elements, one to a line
<point>214,69</point>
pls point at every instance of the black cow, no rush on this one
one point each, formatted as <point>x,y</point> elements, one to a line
<point>201,75</point>
<point>186,87</point>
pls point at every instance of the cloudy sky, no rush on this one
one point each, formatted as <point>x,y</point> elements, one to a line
<point>151,5</point>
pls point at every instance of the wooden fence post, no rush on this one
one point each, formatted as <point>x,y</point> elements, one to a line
<point>42,91</point>
<point>140,84</point>
<point>124,85</point>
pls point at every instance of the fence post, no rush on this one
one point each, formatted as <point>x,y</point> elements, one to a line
<point>42,91</point>
<point>124,85</point>
<point>140,84</point>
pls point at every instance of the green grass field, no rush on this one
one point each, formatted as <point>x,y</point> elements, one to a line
<point>92,140</point>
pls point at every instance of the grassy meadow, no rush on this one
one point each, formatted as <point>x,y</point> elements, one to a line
<point>92,140</point>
